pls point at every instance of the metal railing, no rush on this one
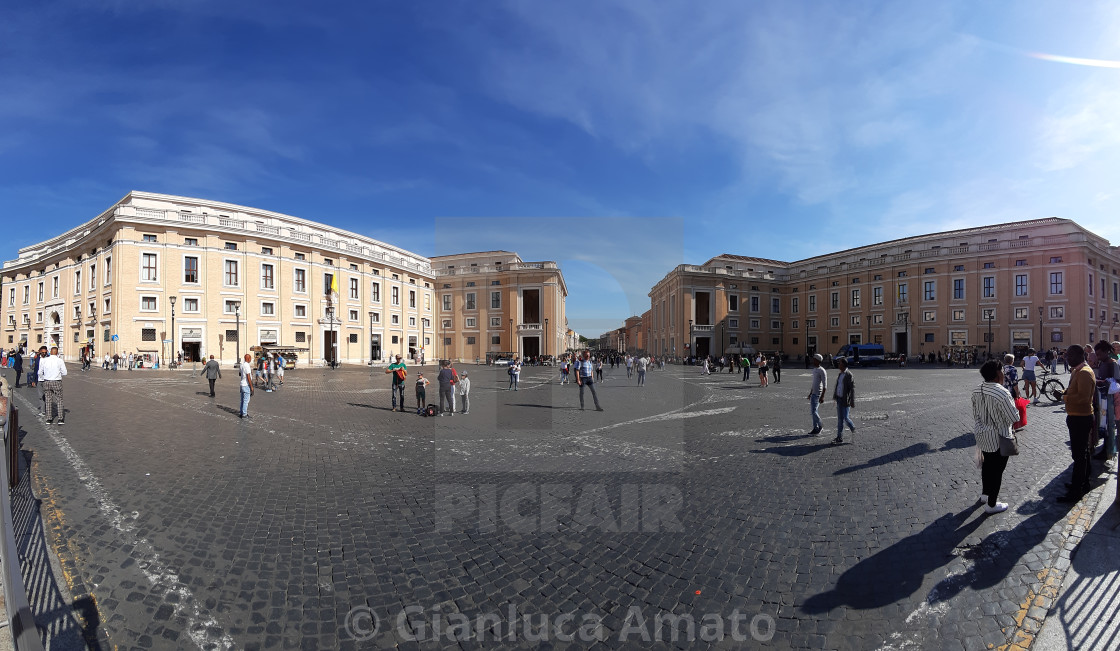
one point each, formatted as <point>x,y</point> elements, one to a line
<point>25,635</point>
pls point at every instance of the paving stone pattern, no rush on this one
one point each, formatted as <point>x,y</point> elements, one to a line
<point>191,528</point>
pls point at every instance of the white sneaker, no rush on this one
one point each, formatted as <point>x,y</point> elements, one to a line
<point>1000,507</point>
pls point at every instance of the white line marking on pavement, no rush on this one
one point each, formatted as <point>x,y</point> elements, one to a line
<point>202,628</point>
<point>676,414</point>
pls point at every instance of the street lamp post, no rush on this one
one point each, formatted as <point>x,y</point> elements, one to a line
<point>691,349</point>
<point>511,346</point>
<point>237,321</point>
<point>334,341</point>
<point>546,337</point>
<point>173,348</point>
<point>991,316</point>
<point>1039,327</point>
<point>371,337</point>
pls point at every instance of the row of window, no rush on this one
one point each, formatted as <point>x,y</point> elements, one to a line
<point>470,301</point>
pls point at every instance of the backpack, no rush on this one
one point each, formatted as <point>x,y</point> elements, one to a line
<point>454,376</point>
<point>430,410</point>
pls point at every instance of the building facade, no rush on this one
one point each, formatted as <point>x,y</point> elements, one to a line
<point>155,274</point>
<point>1041,283</point>
<point>494,303</point>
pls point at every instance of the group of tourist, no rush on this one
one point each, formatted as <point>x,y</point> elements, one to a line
<point>1090,403</point>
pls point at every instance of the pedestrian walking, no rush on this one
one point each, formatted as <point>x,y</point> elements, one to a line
<point>745,361</point>
<point>818,384</point>
<point>629,367</point>
<point>763,368</point>
<point>1030,362</point>
<point>514,374</point>
<point>17,365</point>
<point>33,371</point>
<point>1079,399</point>
<point>641,363</point>
<point>705,369</point>
<point>776,368</point>
<point>51,371</point>
<point>585,377</point>
<point>446,379</point>
<point>564,371</point>
<point>212,371</point>
<point>1107,369</point>
<point>845,396</point>
<point>993,414</point>
<point>421,390</point>
<point>245,371</point>
<point>465,392</point>
<point>598,369</point>
<point>399,371</point>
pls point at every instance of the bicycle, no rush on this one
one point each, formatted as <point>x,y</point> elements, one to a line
<point>1050,387</point>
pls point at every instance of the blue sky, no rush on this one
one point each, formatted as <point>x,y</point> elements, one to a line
<point>781,129</point>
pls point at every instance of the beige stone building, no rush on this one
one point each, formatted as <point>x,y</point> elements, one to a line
<point>1041,283</point>
<point>156,273</point>
<point>494,303</point>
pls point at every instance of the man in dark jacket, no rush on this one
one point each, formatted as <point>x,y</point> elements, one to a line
<point>17,365</point>
<point>845,396</point>
<point>212,372</point>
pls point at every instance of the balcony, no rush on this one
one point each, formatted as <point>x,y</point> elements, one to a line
<point>192,218</point>
<point>529,327</point>
<point>270,230</point>
<point>229,222</point>
<point>696,329</point>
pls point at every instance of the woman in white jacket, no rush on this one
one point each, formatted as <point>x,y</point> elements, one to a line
<point>464,391</point>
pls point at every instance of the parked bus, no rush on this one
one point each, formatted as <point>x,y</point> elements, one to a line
<point>861,354</point>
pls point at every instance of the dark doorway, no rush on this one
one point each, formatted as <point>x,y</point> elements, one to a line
<point>530,347</point>
<point>192,351</point>
<point>375,348</point>
<point>703,346</point>
<point>330,338</point>
<point>900,343</point>
<point>531,306</point>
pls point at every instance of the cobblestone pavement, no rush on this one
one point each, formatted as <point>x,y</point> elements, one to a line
<point>694,500</point>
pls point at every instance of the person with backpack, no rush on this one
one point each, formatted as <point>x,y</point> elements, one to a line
<point>447,379</point>
<point>845,396</point>
<point>514,373</point>
<point>465,391</point>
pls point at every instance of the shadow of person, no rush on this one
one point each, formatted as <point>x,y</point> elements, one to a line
<point>793,450</point>
<point>916,450</point>
<point>897,571</point>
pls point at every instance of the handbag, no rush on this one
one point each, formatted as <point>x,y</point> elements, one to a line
<point>1008,447</point>
<point>1113,386</point>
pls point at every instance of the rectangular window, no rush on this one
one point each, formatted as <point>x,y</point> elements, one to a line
<point>93,276</point>
<point>190,270</point>
<point>328,284</point>
<point>149,238</point>
<point>989,265</point>
<point>928,293</point>
<point>268,309</point>
<point>231,336</point>
<point>1055,283</point>
<point>795,305</point>
<point>396,295</point>
<point>1020,284</point>
<point>412,321</point>
<point>495,340</point>
<point>301,311</point>
<point>1056,259</point>
<point>267,279</point>
<point>148,303</point>
<point>375,292</point>
<point>190,304</point>
<point>11,296</point>
<point>148,334</point>
<point>835,300</point>
<point>495,300</point>
<point>733,302</point>
<point>756,324</point>
<point>300,281</point>
<point>774,325</point>
<point>855,298</point>
<point>958,289</point>
<point>108,305</point>
<point>266,250</point>
<point>775,305</point>
<point>813,303</point>
<point>108,270</point>
<point>190,241</point>
<point>353,315</point>
<point>471,305</point>
<point>472,322</point>
<point>810,323</point>
<point>353,337</point>
<point>733,324</point>
<point>1057,312</point>
<point>229,307</point>
<point>876,319</point>
<point>40,300</point>
<point>54,287</point>
<point>989,287</point>
<point>754,304</point>
<point>855,319</point>
<point>958,315</point>
<point>1020,313</point>
<point>231,273</point>
<point>876,295</point>
<point>148,267</point>
<point>470,341</point>
<point>78,282</point>
<point>929,270</point>
<point>395,319</point>
<point>354,289</point>
<point>1090,284</point>
<point>300,256</point>
<point>835,322</point>
<point>231,246</point>
<point>1020,263</point>
<point>902,295</point>
<point>929,315</point>
<point>495,322</point>
<point>412,298</point>
<point>959,267</point>
<point>447,302</point>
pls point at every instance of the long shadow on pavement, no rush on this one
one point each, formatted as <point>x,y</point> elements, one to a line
<point>898,571</point>
<point>793,450</point>
<point>918,449</point>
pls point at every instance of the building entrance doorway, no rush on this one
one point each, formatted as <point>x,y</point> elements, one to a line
<point>703,347</point>
<point>901,343</point>
<point>530,347</point>
<point>192,351</point>
<point>330,338</point>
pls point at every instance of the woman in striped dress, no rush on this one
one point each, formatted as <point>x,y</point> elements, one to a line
<point>993,411</point>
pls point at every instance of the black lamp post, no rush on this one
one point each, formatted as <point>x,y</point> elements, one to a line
<point>371,337</point>
<point>173,348</point>
<point>991,316</point>
<point>1039,327</point>
<point>237,321</point>
<point>511,346</point>
<point>546,337</point>
<point>691,349</point>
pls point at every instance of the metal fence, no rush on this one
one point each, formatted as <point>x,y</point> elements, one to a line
<point>22,622</point>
